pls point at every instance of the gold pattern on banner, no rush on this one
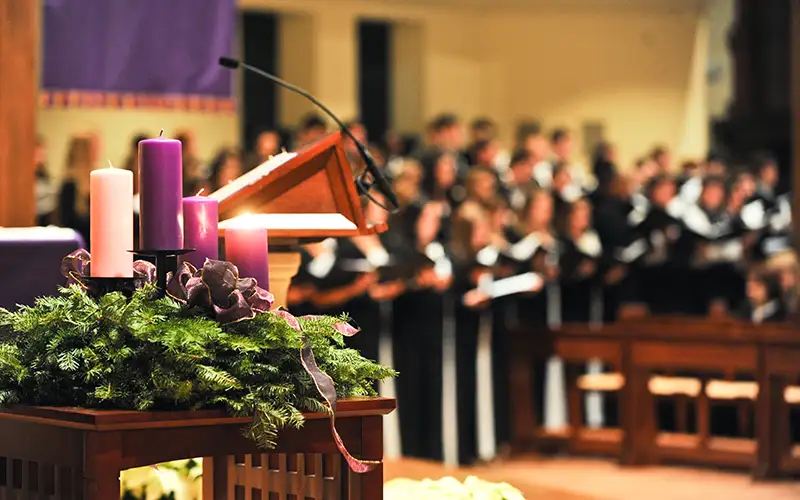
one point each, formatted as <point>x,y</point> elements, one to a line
<point>120,100</point>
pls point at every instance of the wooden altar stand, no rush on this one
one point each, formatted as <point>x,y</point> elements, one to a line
<point>77,454</point>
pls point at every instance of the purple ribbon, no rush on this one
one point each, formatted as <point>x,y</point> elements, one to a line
<point>326,388</point>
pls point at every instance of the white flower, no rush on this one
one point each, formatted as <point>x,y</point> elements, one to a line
<point>449,488</point>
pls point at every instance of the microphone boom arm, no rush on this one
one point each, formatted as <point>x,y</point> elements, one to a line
<point>363,184</point>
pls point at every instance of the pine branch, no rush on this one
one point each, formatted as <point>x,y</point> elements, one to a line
<point>149,353</point>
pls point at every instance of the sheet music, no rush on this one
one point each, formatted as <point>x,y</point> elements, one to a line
<point>252,176</point>
<point>328,221</point>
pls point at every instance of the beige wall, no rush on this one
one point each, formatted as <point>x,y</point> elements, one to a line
<point>635,73</point>
<point>640,71</point>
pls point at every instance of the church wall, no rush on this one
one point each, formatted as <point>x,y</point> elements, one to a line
<point>638,72</point>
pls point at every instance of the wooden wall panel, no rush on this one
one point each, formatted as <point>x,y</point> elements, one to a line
<point>19,42</point>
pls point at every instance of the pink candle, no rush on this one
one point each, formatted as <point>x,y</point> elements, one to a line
<point>246,248</point>
<point>111,216</point>
<point>200,229</point>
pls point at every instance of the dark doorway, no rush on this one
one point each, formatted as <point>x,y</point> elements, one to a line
<point>374,79</point>
<point>259,96</point>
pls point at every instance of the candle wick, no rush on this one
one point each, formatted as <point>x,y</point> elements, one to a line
<point>110,165</point>
<point>200,192</point>
<point>161,134</point>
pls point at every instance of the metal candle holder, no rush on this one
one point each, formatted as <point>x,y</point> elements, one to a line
<point>166,262</point>
<point>99,286</point>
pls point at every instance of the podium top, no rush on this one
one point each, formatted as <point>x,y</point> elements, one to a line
<point>299,197</point>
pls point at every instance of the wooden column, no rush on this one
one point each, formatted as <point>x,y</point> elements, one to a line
<point>19,46</point>
<point>794,58</point>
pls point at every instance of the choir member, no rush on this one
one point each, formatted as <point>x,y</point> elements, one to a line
<point>604,165</point>
<point>312,128</point>
<point>417,323</point>
<point>766,168</point>
<point>690,182</point>
<point>714,246</point>
<point>267,144</point>
<point>662,157</point>
<point>565,191</point>
<point>446,133</point>
<point>471,232</point>
<point>519,181</point>
<point>580,259</point>
<point>486,157</point>
<point>763,303</point>
<point>534,248</point>
<point>440,176</point>
<point>611,210</point>
<point>581,272</point>
<point>481,130</point>
<point>654,229</point>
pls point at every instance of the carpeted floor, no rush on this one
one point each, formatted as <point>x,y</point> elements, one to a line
<point>585,479</point>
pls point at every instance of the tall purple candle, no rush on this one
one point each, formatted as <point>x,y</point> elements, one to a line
<point>246,248</point>
<point>160,194</point>
<point>200,229</point>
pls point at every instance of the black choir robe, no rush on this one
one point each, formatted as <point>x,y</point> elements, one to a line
<point>580,264</point>
<point>714,246</point>
<point>656,275</point>
<point>467,321</point>
<point>418,318</point>
<point>610,221</point>
<point>527,315</point>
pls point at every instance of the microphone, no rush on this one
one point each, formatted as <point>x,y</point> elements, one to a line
<point>364,184</point>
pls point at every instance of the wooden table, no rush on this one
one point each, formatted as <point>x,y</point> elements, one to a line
<point>77,454</point>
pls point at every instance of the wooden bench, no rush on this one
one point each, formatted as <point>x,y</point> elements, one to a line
<point>645,356</point>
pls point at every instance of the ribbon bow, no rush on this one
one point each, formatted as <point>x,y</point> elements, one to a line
<point>218,288</point>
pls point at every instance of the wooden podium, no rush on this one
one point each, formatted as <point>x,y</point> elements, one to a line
<point>300,197</point>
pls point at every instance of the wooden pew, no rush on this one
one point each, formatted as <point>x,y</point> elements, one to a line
<point>710,351</point>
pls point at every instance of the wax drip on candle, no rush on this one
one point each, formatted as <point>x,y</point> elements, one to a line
<point>161,134</point>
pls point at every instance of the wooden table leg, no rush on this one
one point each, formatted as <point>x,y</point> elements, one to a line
<point>371,449</point>
<point>102,465</point>
<point>772,427</point>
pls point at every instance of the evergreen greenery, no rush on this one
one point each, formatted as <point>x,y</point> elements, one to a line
<point>149,353</point>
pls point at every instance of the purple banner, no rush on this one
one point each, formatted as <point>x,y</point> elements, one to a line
<point>141,47</point>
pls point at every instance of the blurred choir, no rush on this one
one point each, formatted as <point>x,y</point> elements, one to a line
<point>488,241</point>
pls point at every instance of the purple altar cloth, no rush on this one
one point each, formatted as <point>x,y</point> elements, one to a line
<point>30,262</point>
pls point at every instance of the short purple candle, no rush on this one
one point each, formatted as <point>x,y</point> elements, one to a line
<point>160,194</point>
<point>200,229</point>
<point>246,248</point>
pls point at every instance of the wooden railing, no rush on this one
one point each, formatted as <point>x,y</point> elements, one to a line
<point>696,361</point>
